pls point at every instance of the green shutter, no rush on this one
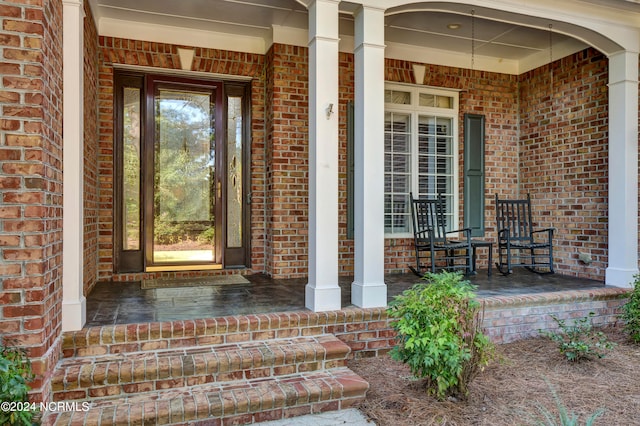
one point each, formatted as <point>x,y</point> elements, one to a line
<point>474,174</point>
<point>350,169</point>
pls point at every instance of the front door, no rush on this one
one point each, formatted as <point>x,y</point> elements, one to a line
<point>185,186</point>
<point>176,209</point>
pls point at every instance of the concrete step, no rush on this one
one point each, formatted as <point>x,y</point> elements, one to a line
<point>109,375</point>
<point>235,402</point>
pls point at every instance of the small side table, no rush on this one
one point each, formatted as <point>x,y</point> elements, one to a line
<point>482,243</point>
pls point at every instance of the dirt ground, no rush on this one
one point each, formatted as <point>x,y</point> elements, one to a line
<point>513,389</point>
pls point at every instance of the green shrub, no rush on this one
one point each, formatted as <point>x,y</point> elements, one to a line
<point>579,341</point>
<point>439,336</point>
<point>564,418</point>
<point>166,231</point>
<point>631,312</point>
<point>207,236</point>
<point>15,372</point>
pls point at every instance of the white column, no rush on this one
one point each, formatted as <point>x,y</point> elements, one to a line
<point>623,169</point>
<point>73,300</point>
<point>368,289</point>
<point>322,291</point>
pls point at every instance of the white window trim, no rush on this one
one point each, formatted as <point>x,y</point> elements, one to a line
<point>414,109</point>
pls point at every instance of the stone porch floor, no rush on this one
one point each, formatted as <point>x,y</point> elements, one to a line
<point>125,302</point>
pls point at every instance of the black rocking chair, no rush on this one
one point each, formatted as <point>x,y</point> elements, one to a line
<point>519,244</point>
<point>431,238</point>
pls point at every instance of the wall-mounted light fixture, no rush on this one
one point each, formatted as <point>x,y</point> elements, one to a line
<point>329,110</point>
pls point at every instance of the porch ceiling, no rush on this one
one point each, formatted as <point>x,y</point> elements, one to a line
<point>256,18</point>
<point>444,29</point>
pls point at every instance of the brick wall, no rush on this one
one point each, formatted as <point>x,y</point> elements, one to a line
<point>346,84</point>
<point>280,156</point>
<point>553,147</point>
<point>105,168</point>
<point>287,165</point>
<point>564,157</point>
<point>367,331</point>
<point>493,95</point>
<point>90,183</point>
<point>115,51</point>
<point>287,170</point>
<point>31,182</point>
<point>268,152</point>
<point>511,318</point>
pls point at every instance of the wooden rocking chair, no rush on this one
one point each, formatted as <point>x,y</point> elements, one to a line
<point>434,249</point>
<point>519,244</point>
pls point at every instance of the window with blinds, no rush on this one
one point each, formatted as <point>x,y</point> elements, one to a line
<point>420,144</point>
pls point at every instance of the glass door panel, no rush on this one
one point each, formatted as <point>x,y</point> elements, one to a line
<point>180,198</point>
<point>184,192</point>
<point>234,171</point>
<point>131,206</point>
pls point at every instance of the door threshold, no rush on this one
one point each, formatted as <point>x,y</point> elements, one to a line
<point>169,268</point>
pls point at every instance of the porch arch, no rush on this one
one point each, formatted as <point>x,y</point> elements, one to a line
<point>621,44</point>
<point>605,38</point>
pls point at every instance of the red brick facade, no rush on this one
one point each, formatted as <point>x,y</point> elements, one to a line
<point>517,156</point>
<point>31,182</point>
<point>346,93</point>
<point>287,161</point>
<point>554,147</point>
<point>490,94</point>
<point>564,156</point>
<point>138,53</point>
<point>90,189</point>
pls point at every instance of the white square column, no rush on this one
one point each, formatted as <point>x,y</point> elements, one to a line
<point>368,289</point>
<point>623,169</point>
<point>322,293</point>
<point>73,300</point>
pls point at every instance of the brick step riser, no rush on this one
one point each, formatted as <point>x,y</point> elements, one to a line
<point>216,331</point>
<point>153,343</point>
<point>234,403</point>
<point>93,391</point>
<point>109,375</point>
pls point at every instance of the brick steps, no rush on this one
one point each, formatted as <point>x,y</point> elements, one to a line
<point>228,330</point>
<point>236,370</point>
<point>232,403</point>
<point>109,375</point>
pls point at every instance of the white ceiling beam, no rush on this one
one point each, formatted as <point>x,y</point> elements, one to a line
<point>182,36</point>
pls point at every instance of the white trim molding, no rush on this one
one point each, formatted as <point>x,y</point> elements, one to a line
<point>73,299</point>
<point>322,293</point>
<point>368,289</point>
<point>623,169</point>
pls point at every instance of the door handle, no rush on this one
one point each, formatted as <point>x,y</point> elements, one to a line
<point>219,189</point>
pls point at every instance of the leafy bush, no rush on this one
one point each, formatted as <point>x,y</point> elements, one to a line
<point>564,418</point>
<point>207,236</point>
<point>579,341</point>
<point>439,336</point>
<point>631,312</point>
<point>166,231</point>
<point>15,372</point>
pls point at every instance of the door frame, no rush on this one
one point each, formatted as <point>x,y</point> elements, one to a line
<point>239,257</point>
<point>141,260</point>
<point>153,84</point>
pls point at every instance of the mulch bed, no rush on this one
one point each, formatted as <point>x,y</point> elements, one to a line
<point>513,388</point>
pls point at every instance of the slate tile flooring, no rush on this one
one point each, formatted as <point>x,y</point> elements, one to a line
<point>125,302</point>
